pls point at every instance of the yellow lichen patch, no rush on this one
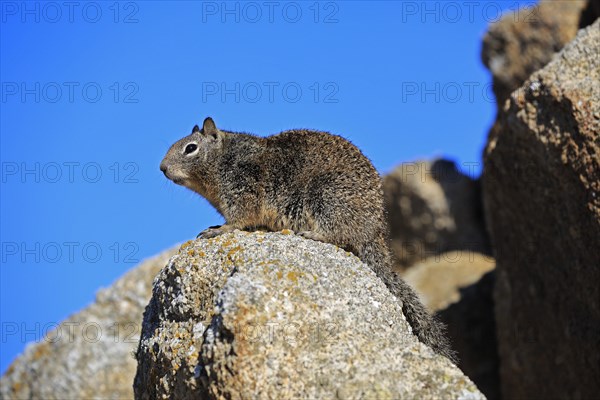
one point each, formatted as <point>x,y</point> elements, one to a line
<point>279,274</point>
<point>293,276</point>
<point>228,242</point>
<point>234,250</point>
<point>40,351</point>
<point>191,252</point>
<point>16,387</point>
<point>186,245</point>
<point>244,319</point>
<point>286,232</point>
<point>265,268</point>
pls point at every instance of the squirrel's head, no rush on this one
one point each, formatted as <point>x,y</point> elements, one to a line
<point>190,159</point>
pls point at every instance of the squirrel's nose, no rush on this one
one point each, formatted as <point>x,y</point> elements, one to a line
<point>163,167</point>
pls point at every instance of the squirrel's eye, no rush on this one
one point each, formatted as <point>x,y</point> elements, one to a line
<point>190,148</point>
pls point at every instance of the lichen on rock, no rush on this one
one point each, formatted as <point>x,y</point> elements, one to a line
<point>275,315</point>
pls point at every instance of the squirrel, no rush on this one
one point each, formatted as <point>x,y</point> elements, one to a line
<point>314,183</point>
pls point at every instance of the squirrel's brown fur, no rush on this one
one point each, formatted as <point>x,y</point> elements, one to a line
<point>314,183</point>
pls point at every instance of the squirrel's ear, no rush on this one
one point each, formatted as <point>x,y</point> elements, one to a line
<point>209,127</point>
<point>196,129</point>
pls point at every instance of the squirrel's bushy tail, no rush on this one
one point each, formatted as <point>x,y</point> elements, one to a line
<point>425,326</point>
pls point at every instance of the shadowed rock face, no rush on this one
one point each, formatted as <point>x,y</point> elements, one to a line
<point>459,286</point>
<point>472,332</point>
<point>433,209</point>
<point>272,315</point>
<point>541,187</point>
<point>590,13</point>
<point>89,355</point>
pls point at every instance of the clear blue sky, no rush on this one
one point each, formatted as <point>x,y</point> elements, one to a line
<point>93,95</point>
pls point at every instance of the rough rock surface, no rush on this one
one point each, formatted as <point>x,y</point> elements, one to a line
<point>432,209</point>
<point>525,40</point>
<point>459,286</point>
<point>541,186</point>
<point>89,355</point>
<point>273,315</point>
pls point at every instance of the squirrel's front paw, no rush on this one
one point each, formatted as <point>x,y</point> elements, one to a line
<point>214,231</point>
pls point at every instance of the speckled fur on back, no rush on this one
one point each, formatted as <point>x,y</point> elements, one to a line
<point>314,183</point>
